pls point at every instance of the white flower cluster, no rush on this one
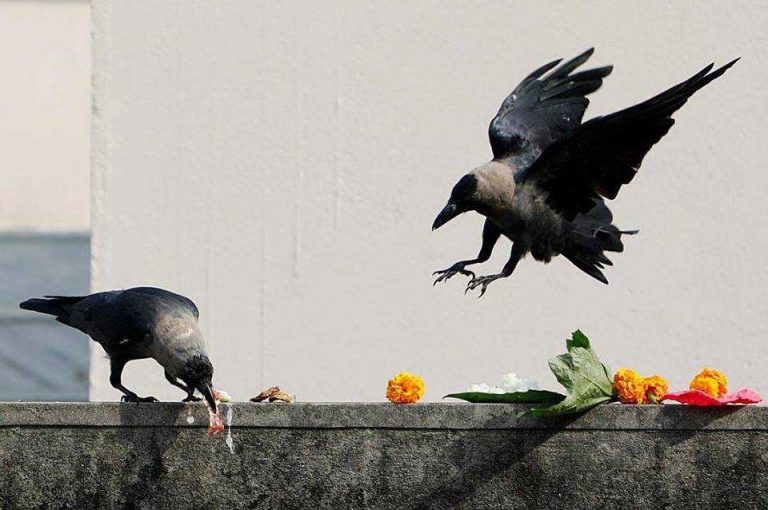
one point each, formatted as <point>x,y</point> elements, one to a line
<point>512,384</point>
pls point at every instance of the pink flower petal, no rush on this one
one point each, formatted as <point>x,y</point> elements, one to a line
<point>743,396</point>
<point>699,398</point>
<point>693,398</point>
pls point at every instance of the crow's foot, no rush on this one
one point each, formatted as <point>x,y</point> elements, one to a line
<point>192,398</point>
<point>482,282</point>
<point>136,398</point>
<point>447,274</point>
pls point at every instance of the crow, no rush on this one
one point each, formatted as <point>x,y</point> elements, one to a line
<point>544,187</point>
<point>138,323</point>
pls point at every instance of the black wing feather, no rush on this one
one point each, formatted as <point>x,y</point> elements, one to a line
<point>542,109</point>
<point>566,69</point>
<point>169,296</point>
<point>115,318</point>
<point>605,153</point>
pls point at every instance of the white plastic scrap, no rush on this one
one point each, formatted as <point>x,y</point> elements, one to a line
<point>484,388</point>
<point>229,441</point>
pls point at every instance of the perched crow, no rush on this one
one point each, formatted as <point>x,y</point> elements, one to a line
<point>545,186</point>
<point>138,323</point>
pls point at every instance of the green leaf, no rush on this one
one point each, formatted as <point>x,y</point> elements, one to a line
<point>518,397</point>
<point>578,339</point>
<point>586,380</point>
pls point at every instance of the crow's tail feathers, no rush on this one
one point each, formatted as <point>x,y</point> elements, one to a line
<point>591,235</point>
<point>51,305</point>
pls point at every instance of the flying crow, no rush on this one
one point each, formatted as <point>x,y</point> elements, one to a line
<point>545,186</point>
<point>138,323</point>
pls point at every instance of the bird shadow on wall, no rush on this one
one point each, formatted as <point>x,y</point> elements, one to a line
<point>528,458</point>
<point>693,421</point>
<point>481,458</point>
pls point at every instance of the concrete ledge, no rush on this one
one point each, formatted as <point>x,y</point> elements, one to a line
<point>454,415</point>
<point>336,455</point>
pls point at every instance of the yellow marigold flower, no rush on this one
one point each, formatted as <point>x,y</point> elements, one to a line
<point>405,388</point>
<point>705,384</point>
<point>629,386</point>
<point>710,381</point>
<point>654,388</point>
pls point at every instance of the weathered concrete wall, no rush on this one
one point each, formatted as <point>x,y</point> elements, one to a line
<point>381,456</point>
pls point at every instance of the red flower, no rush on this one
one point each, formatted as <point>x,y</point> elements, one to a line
<point>699,398</point>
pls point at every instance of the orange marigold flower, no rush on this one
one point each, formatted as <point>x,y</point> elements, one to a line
<point>654,389</point>
<point>710,381</point>
<point>405,388</point>
<point>629,386</point>
<point>705,384</point>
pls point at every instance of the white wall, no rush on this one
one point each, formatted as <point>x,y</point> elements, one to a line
<point>281,164</point>
<point>44,115</point>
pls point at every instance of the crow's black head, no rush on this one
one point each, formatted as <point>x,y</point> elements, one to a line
<point>199,375</point>
<point>462,200</point>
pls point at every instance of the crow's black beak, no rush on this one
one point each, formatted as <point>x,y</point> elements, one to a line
<point>449,212</point>
<point>207,391</point>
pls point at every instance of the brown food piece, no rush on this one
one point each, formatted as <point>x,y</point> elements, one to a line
<point>282,397</point>
<point>264,395</point>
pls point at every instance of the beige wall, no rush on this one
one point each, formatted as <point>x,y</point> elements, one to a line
<point>281,164</point>
<point>44,115</point>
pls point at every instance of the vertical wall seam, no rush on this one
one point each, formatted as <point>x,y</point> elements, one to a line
<point>336,128</point>
<point>101,148</point>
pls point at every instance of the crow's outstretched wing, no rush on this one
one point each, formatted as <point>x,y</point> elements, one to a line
<point>543,109</point>
<point>604,153</point>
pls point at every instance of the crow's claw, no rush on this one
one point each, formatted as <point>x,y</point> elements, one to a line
<point>136,398</point>
<point>447,274</point>
<point>482,282</point>
<point>192,398</point>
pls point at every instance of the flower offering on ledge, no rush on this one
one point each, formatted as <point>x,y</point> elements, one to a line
<point>405,388</point>
<point>485,388</point>
<point>634,389</point>
<point>513,383</point>
<point>629,386</point>
<point>710,388</point>
<point>588,383</point>
<point>699,398</point>
<point>655,387</point>
<point>710,381</point>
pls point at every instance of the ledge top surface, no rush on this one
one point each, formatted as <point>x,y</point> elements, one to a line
<point>374,415</point>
